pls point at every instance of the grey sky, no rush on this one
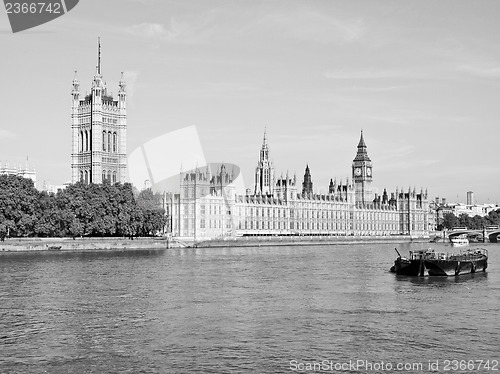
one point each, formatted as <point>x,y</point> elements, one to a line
<point>420,78</point>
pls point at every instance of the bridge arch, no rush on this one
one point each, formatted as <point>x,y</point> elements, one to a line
<point>460,232</point>
<point>493,236</point>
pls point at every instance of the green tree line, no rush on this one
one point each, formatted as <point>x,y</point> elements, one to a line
<point>78,210</point>
<point>474,223</point>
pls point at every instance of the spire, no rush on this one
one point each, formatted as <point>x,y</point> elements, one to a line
<point>264,142</point>
<point>76,87</point>
<point>122,85</point>
<point>99,56</point>
<point>361,143</point>
<point>362,155</point>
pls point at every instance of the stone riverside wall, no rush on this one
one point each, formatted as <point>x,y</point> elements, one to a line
<point>81,244</point>
<point>256,241</point>
<point>121,244</point>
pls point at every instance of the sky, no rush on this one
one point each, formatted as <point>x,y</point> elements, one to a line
<point>421,79</point>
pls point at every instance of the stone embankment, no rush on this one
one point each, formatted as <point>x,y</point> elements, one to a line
<point>81,244</point>
<point>261,241</point>
<point>122,244</point>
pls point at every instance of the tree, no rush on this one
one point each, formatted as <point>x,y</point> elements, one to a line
<point>477,222</point>
<point>80,209</point>
<point>493,217</point>
<point>464,220</point>
<point>126,207</point>
<point>449,220</point>
<point>153,215</point>
<point>47,216</point>
<point>18,198</point>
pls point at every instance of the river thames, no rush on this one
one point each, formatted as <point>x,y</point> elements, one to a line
<point>238,310</point>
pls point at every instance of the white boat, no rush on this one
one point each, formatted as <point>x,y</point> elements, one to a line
<point>460,240</point>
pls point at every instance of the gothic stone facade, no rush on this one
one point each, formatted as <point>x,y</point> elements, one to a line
<point>99,133</point>
<point>208,207</point>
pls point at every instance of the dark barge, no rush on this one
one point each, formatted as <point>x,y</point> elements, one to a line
<point>428,262</point>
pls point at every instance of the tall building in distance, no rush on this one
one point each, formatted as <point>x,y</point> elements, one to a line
<point>99,132</point>
<point>470,198</point>
<point>362,174</point>
<point>20,171</point>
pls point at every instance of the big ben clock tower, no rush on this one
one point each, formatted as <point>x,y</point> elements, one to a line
<point>362,174</point>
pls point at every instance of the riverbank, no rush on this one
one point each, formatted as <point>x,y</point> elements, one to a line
<point>262,241</point>
<point>81,244</point>
<point>123,244</point>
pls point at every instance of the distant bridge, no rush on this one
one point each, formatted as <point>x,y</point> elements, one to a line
<point>491,234</point>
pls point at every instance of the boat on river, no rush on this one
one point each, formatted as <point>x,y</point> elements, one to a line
<point>460,240</point>
<point>429,262</point>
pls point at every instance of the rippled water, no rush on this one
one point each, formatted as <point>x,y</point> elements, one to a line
<point>225,310</point>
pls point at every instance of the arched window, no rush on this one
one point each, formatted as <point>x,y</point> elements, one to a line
<point>104,140</point>
<point>109,141</point>
<point>109,176</point>
<point>86,177</point>
<point>81,141</point>
<point>114,142</point>
<point>114,177</point>
<point>81,175</point>
<point>86,141</point>
<point>103,176</point>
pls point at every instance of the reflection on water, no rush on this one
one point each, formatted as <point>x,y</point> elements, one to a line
<point>236,310</point>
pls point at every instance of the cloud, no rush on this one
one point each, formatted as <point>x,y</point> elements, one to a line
<point>156,31</point>
<point>307,25</point>
<point>371,74</point>
<point>480,71</point>
<point>379,89</point>
<point>7,134</point>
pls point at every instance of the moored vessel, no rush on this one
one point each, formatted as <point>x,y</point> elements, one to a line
<point>429,262</point>
<point>460,240</point>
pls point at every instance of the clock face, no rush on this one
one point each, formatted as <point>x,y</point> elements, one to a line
<point>369,172</point>
<point>357,171</point>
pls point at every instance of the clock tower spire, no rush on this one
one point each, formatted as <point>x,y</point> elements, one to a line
<point>362,174</point>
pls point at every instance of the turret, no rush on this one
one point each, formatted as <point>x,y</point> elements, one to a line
<point>75,92</point>
<point>264,173</point>
<point>122,93</point>
<point>385,197</point>
<point>307,185</point>
<point>331,187</point>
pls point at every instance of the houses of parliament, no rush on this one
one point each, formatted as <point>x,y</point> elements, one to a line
<point>208,207</point>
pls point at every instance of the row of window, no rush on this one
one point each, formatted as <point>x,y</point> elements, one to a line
<point>85,176</point>
<point>110,176</point>
<point>328,226</point>
<point>86,120</point>
<point>109,141</point>
<point>113,121</point>
<point>84,139</point>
